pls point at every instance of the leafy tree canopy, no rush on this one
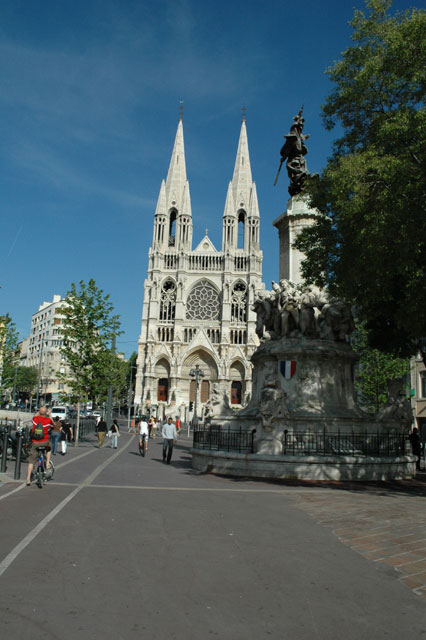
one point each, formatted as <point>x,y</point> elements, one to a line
<point>88,327</point>
<point>9,352</point>
<point>370,245</point>
<point>26,380</point>
<point>375,369</point>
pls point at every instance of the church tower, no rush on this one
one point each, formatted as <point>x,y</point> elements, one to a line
<point>197,302</point>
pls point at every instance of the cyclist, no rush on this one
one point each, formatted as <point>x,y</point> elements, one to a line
<point>45,419</point>
<point>143,430</point>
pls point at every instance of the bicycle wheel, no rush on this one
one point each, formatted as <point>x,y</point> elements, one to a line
<point>50,471</point>
<point>39,478</point>
<point>142,448</point>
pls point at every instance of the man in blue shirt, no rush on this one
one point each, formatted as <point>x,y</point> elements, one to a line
<point>170,438</point>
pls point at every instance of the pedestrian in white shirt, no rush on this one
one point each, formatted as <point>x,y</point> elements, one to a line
<point>170,438</point>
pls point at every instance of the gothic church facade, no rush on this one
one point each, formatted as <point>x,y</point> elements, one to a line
<point>197,302</point>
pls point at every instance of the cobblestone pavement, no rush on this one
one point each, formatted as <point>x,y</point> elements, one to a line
<point>384,523</point>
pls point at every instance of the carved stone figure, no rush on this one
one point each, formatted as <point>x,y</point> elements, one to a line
<point>335,321</point>
<point>294,151</point>
<point>289,311</point>
<point>217,405</point>
<point>308,325</point>
<point>273,404</point>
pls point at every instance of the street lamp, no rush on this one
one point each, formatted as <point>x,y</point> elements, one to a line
<point>130,396</point>
<point>197,374</point>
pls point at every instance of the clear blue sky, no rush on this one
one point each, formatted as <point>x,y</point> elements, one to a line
<point>89,102</point>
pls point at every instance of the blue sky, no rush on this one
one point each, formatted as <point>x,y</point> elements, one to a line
<point>89,104</point>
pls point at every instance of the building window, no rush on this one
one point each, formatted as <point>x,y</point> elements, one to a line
<point>239,303</point>
<point>423,384</point>
<point>203,302</point>
<point>241,229</point>
<point>168,301</point>
<point>172,228</point>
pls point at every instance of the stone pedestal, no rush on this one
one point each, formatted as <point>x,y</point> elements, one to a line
<point>303,386</point>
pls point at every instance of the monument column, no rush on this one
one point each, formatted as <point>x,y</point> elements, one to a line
<point>289,224</point>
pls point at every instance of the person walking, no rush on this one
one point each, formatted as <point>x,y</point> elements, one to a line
<point>101,430</point>
<point>66,436</point>
<point>154,425</point>
<point>169,439</point>
<point>416,446</point>
<point>178,424</point>
<point>115,432</point>
<point>55,435</point>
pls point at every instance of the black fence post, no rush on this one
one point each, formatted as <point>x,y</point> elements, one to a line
<point>4,452</point>
<point>17,473</point>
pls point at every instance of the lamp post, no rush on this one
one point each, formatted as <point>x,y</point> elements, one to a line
<point>130,397</point>
<point>197,374</point>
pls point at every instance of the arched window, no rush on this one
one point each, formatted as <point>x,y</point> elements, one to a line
<point>203,302</point>
<point>168,301</point>
<point>239,303</point>
<point>241,229</point>
<point>172,228</point>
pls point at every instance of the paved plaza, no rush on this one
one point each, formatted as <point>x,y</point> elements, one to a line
<point>122,547</point>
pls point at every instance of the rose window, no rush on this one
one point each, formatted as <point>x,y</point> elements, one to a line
<point>203,302</point>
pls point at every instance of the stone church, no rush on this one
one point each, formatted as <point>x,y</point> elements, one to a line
<point>197,302</point>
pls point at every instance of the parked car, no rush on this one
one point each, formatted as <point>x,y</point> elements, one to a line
<point>61,412</point>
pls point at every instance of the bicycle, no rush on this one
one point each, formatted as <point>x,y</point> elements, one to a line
<point>142,449</point>
<point>41,474</point>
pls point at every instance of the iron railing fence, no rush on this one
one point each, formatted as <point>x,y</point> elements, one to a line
<point>218,439</point>
<point>306,443</point>
<point>345,444</point>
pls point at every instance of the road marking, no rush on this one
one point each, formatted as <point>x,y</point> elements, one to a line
<point>21,486</point>
<point>16,551</point>
<point>61,465</point>
<point>115,486</point>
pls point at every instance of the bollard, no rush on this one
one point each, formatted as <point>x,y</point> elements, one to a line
<point>17,473</point>
<point>4,452</point>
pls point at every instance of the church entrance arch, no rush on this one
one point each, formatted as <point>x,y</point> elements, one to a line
<point>207,364</point>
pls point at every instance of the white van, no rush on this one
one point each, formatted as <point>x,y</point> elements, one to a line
<point>61,412</point>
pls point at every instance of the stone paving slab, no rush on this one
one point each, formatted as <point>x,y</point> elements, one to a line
<point>383,523</point>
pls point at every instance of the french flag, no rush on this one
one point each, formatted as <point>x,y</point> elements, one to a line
<point>288,368</point>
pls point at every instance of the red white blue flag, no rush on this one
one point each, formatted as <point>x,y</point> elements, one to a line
<point>288,368</point>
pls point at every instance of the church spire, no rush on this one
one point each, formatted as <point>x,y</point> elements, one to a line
<point>176,176</point>
<point>242,179</point>
<point>173,217</point>
<point>240,218</point>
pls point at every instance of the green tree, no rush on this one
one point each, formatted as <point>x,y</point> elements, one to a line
<point>88,327</point>
<point>375,370</point>
<point>26,380</point>
<point>9,352</point>
<point>370,245</point>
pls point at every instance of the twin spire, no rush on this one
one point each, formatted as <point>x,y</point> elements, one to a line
<point>175,194</point>
<point>242,194</point>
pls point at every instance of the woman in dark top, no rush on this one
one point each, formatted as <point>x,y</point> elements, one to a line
<point>101,429</point>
